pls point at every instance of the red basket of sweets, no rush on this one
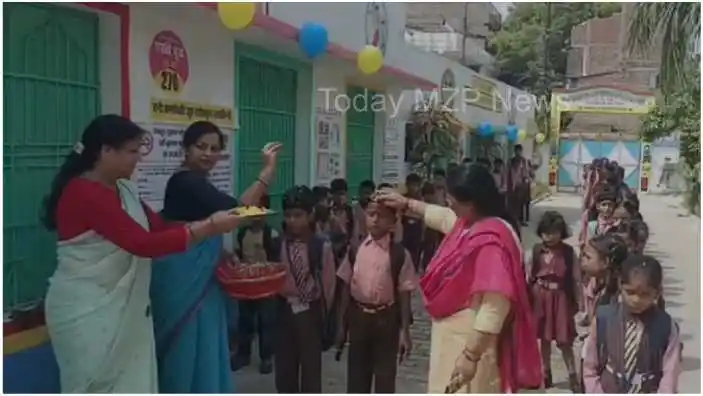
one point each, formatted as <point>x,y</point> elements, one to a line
<point>246,281</point>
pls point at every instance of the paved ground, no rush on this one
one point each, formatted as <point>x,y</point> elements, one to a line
<point>675,241</point>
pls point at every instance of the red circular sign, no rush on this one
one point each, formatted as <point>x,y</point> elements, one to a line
<point>168,61</point>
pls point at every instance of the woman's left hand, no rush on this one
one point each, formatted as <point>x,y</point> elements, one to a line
<point>464,372</point>
<point>270,153</point>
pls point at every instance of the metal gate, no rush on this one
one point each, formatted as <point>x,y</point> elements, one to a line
<point>361,126</point>
<point>574,154</point>
<point>52,91</point>
<point>267,103</point>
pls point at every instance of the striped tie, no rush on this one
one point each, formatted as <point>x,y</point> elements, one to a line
<point>300,275</point>
<point>633,337</point>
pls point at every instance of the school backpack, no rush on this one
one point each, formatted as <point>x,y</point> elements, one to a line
<point>657,332</point>
<point>329,315</point>
<point>397,260</point>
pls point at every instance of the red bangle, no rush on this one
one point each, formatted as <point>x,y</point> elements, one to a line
<point>262,181</point>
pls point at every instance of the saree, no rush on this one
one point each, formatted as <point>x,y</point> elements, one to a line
<point>98,315</point>
<point>191,321</point>
<point>498,287</point>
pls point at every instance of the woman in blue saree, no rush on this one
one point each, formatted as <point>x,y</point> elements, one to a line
<point>190,309</point>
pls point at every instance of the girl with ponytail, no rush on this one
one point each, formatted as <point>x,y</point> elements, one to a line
<point>97,306</point>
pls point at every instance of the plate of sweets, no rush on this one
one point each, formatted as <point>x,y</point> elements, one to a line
<point>247,281</point>
<point>251,211</point>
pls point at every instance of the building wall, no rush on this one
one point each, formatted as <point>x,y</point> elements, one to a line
<point>600,57</point>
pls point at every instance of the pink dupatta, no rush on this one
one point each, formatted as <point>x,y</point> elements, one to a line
<point>454,268</point>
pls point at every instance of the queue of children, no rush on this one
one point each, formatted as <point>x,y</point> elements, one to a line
<point>632,344</point>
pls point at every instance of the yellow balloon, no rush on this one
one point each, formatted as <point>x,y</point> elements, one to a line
<point>236,16</point>
<point>553,161</point>
<point>370,59</point>
<point>540,138</point>
<point>647,166</point>
<point>521,135</point>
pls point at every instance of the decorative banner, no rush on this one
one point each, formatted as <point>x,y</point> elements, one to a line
<point>168,62</point>
<point>180,112</point>
<point>162,155</point>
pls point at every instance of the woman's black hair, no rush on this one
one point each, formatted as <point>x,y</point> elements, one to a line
<point>197,129</point>
<point>553,222</point>
<point>613,249</point>
<point>109,130</point>
<point>474,183</point>
<point>641,264</point>
<point>299,197</point>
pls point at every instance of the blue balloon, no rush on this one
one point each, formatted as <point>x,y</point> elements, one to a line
<point>513,133</point>
<point>313,39</point>
<point>485,129</point>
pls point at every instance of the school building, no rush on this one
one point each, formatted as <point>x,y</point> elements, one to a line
<point>165,66</point>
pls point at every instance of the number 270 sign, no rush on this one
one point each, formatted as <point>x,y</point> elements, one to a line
<point>168,62</point>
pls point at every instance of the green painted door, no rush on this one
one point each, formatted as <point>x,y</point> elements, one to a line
<point>267,102</point>
<point>52,91</point>
<point>361,124</point>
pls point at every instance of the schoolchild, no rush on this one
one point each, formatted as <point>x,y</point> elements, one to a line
<point>634,345</point>
<point>605,204</point>
<point>413,225</point>
<point>256,243</point>
<point>341,218</point>
<point>366,189</point>
<point>306,297</point>
<point>375,305</point>
<point>554,288</point>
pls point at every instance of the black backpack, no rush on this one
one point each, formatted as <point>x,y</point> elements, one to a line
<point>329,316</point>
<point>271,245</point>
<point>657,332</point>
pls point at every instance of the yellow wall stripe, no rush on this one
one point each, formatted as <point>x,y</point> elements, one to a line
<point>18,342</point>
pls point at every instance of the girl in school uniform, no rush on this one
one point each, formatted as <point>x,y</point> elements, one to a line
<point>634,345</point>
<point>554,280</point>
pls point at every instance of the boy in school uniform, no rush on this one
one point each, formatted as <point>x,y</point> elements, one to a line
<point>366,189</point>
<point>306,297</point>
<point>341,217</point>
<point>256,244</point>
<point>375,305</point>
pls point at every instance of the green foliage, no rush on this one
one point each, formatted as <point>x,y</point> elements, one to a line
<point>677,25</point>
<point>434,133</point>
<point>519,46</point>
<point>680,111</point>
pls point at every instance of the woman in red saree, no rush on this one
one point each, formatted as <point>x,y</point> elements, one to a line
<point>484,336</point>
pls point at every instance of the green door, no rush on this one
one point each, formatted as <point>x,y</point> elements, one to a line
<point>361,124</point>
<point>52,91</point>
<point>267,103</point>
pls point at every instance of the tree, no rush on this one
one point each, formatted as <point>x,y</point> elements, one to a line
<point>532,48</point>
<point>433,135</point>
<point>680,111</point>
<point>519,47</point>
<point>677,25</point>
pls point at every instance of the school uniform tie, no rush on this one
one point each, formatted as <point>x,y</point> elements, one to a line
<point>300,276</point>
<point>633,338</point>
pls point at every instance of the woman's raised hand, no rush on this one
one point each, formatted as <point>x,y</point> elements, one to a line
<point>391,198</point>
<point>270,153</point>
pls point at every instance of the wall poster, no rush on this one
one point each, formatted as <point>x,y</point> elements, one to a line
<point>328,138</point>
<point>393,153</point>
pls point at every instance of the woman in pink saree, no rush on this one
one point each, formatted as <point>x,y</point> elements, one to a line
<point>484,336</point>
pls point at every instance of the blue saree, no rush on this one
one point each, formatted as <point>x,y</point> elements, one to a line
<point>190,313</point>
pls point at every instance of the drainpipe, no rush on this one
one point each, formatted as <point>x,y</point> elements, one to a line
<point>464,33</point>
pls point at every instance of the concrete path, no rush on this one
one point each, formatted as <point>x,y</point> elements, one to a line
<point>675,241</point>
